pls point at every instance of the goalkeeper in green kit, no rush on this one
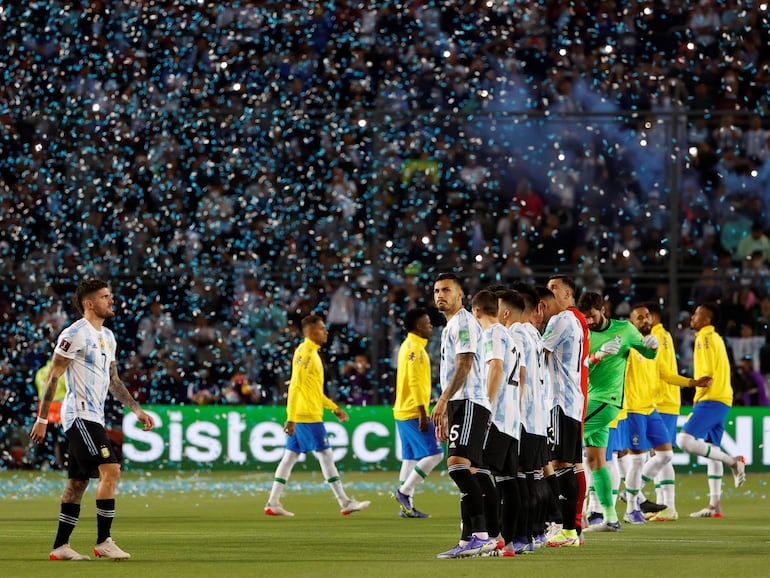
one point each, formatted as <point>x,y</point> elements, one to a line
<point>609,343</point>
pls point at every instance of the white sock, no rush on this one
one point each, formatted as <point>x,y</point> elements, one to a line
<point>666,479</point>
<point>282,474</point>
<point>634,480</point>
<point>420,472</point>
<point>612,467</point>
<point>715,470</point>
<point>701,448</point>
<point>407,467</point>
<point>654,466</point>
<point>624,462</point>
<point>332,476</point>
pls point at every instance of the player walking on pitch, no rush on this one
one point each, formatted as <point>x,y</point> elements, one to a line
<point>420,451</point>
<point>304,421</point>
<point>85,355</point>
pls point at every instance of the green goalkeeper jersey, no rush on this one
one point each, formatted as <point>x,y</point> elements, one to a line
<point>605,379</point>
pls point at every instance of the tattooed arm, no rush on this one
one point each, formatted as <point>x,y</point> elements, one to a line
<point>59,365</point>
<point>119,392</point>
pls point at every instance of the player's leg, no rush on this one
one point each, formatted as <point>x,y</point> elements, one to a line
<point>596,431</point>
<point>280,479</point>
<point>68,519</point>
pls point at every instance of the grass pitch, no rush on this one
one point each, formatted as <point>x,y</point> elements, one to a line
<point>211,524</point>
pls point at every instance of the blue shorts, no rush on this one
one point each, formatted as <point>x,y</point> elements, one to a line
<point>707,421</point>
<point>670,421</point>
<point>646,431</point>
<point>416,444</point>
<point>618,441</point>
<point>308,437</point>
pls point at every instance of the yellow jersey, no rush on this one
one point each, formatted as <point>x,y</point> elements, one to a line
<point>640,383</point>
<point>668,396</point>
<point>307,400</point>
<point>413,378</point>
<point>710,359</point>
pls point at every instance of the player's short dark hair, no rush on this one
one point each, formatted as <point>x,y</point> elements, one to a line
<point>512,299</point>
<point>87,287</point>
<point>590,300</point>
<point>309,320</point>
<point>544,292</point>
<point>486,301</point>
<point>640,305</point>
<point>653,307</point>
<point>450,277</point>
<point>528,293</point>
<point>567,280</point>
<point>413,316</point>
<point>713,308</point>
<point>496,287</point>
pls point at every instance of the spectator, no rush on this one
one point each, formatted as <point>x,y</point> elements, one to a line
<point>756,240</point>
<point>750,385</point>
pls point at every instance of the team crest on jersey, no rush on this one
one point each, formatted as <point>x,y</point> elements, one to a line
<point>105,452</point>
<point>65,345</point>
<point>411,356</point>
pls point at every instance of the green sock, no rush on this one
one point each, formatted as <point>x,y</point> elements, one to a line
<point>603,486</point>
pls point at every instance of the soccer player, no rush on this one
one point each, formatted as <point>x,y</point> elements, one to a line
<point>500,371</point>
<point>519,311</point>
<point>564,343</point>
<point>461,414</point>
<point>420,451</point>
<point>304,421</point>
<point>646,429</point>
<point>536,402</point>
<point>610,343</point>
<point>85,355</point>
<point>668,400</point>
<point>702,433</point>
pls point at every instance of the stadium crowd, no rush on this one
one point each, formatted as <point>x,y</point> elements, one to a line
<point>234,167</point>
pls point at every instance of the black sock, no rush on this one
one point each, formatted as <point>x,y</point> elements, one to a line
<point>568,483</point>
<point>491,502</point>
<point>68,519</point>
<point>105,512</point>
<point>523,523</point>
<point>554,504</point>
<point>470,497</point>
<point>509,492</point>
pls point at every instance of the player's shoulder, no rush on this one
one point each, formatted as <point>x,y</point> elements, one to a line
<point>79,326</point>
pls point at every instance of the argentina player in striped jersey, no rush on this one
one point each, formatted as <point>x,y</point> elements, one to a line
<point>461,414</point>
<point>500,353</point>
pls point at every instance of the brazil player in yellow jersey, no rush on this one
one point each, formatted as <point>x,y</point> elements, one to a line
<point>420,450</point>
<point>702,433</point>
<point>304,421</point>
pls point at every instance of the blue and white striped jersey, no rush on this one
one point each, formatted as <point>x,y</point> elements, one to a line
<point>536,401</point>
<point>563,341</point>
<point>88,375</point>
<point>461,335</point>
<point>497,343</point>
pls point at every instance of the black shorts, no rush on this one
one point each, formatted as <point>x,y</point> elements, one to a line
<point>501,452</point>
<point>89,448</point>
<point>468,423</point>
<point>565,438</point>
<point>533,452</point>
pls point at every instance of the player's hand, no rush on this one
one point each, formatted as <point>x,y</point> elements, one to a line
<point>424,423</point>
<point>146,419</point>
<point>704,381</point>
<point>651,342</point>
<point>288,428</point>
<point>609,348</point>
<point>38,432</point>
<point>341,414</point>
